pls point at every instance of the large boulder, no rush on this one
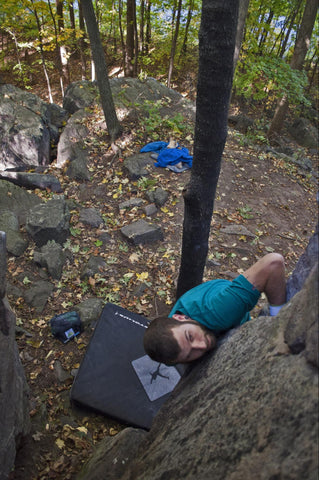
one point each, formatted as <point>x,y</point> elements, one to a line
<point>304,133</point>
<point>130,95</point>
<point>17,200</point>
<point>26,128</point>
<point>247,410</point>
<point>49,221</point>
<point>14,393</point>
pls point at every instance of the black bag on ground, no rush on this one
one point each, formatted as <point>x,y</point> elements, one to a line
<point>66,326</point>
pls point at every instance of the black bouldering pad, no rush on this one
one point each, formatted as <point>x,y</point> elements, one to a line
<point>116,377</point>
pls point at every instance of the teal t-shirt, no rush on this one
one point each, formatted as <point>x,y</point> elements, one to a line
<point>219,304</point>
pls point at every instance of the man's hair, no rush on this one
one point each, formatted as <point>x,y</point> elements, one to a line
<point>159,341</point>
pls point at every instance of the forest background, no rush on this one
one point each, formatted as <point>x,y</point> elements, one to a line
<point>48,39</point>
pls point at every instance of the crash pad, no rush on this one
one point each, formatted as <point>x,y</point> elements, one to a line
<point>116,377</point>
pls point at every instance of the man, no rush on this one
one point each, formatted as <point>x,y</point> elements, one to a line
<point>213,308</point>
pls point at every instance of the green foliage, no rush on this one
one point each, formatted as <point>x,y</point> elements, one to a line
<point>261,78</point>
<point>156,124</point>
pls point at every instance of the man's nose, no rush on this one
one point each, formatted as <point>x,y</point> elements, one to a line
<point>199,343</point>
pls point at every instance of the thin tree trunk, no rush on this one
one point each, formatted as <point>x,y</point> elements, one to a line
<point>265,32</point>
<point>216,52</point>
<point>82,41</point>
<point>112,122</point>
<point>174,43</point>
<point>298,57</point>
<point>188,22</point>
<point>62,48</point>
<point>121,32</point>
<point>148,25</point>
<point>42,53</point>
<point>287,36</point>
<point>57,49</point>
<point>242,15</point>
<point>130,37</point>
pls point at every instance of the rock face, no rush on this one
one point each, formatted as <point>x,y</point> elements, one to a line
<point>247,410</point>
<point>14,403</point>
<point>49,221</point>
<point>27,126</point>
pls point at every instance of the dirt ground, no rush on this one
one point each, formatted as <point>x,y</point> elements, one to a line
<point>263,204</point>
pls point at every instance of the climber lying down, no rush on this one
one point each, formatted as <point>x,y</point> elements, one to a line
<point>213,308</point>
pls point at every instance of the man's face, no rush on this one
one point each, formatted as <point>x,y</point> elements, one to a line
<point>193,339</point>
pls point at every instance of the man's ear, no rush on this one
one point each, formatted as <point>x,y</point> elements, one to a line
<point>180,317</point>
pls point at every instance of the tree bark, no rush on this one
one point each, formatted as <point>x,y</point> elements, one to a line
<point>130,37</point>
<point>188,21</point>
<point>174,43</point>
<point>242,15</point>
<point>82,45</point>
<point>112,122</point>
<point>216,52</point>
<point>296,63</point>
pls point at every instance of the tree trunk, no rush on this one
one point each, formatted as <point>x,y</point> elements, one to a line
<point>42,53</point>
<point>174,43</point>
<point>298,57</point>
<point>265,32</point>
<point>112,122</point>
<point>82,41</point>
<point>130,37</point>
<point>242,15</point>
<point>148,25</point>
<point>62,48</point>
<point>188,21</point>
<point>57,49</point>
<point>216,52</point>
<point>287,36</point>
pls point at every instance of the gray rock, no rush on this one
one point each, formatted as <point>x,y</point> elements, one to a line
<point>141,232</point>
<point>17,200</point>
<point>104,465</point>
<point>14,392</point>
<point>89,310</point>
<point>79,95</point>
<point>304,133</point>
<point>303,325</point>
<point>237,230</point>
<point>51,257</point>
<point>241,122</point>
<point>33,180</point>
<point>16,244</point>
<point>93,266</point>
<point>58,116</point>
<point>139,165</point>
<point>90,216</point>
<point>49,221</point>
<point>304,266</point>
<point>150,209</point>
<point>132,95</point>
<point>157,196</point>
<point>78,169</point>
<point>9,223</point>
<point>37,295</point>
<point>71,146</point>
<point>131,203</point>
<point>61,374</point>
<point>25,138</point>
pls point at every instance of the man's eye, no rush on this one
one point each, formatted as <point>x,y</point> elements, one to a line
<point>190,337</point>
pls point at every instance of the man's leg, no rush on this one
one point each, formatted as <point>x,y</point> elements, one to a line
<point>268,275</point>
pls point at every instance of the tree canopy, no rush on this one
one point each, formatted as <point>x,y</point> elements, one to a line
<point>156,38</point>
